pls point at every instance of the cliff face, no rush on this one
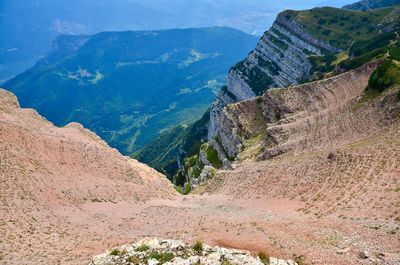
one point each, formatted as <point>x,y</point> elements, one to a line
<point>289,54</point>
<point>280,59</point>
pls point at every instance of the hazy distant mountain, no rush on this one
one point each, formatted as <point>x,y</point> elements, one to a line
<point>128,86</point>
<point>42,20</point>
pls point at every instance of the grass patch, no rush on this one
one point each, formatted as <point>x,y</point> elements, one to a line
<point>179,189</point>
<point>341,27</point>
<point>115,252</point>
<point>198,246</point>
<point>187,188</point>
<point>162,257</point>
<point>212,156</point>
<point>142,248</point>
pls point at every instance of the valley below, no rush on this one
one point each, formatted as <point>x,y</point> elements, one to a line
<point>294,161</point>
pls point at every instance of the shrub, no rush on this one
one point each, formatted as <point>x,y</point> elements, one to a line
<point>188,188</point>
<point>180,178</point>
<point>264,257</point>
<point>212,156</point>
<point>142,248</point>
<point>115,252</point>
<point>386,75</point>
<point>395,53</point>
<point>198,246</point>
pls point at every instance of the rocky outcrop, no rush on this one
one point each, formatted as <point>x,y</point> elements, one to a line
<point>174,252</point>
<point>280,59</point>
<point>63,46</point>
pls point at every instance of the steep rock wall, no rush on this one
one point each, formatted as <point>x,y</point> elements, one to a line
<point>279,60</point>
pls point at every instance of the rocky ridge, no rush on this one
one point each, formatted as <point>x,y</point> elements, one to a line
<point>276,115</point>
<point>155,251</point>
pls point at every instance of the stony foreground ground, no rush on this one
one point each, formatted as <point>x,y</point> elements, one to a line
<point>173,252</point>
<point>72,235</point>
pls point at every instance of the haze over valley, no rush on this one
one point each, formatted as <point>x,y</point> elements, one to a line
<point>200,132</point>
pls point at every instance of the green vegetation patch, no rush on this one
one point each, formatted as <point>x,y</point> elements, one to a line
<point>363,59</point>
<point>115,252</point>
<point>212,156</point>
<point>341,27</point>
<point>273,67</point>
<point>278,43</point>
<point>323,64</point>
<point>258,80</point>
<point>395,53</point>
<point>162,257</point>
<point>198,246</point>
<point>364,46</point>
<point>385,76</point>
<point>143,248</point>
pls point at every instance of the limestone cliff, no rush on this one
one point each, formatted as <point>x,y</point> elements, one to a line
<point>280,59</point>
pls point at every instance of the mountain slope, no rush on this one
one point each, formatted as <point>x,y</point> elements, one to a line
<point>371,4</point>
<point>47,172</point>
<point>299,47</point>
<point>316,141</point>
<point>129,86</point>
